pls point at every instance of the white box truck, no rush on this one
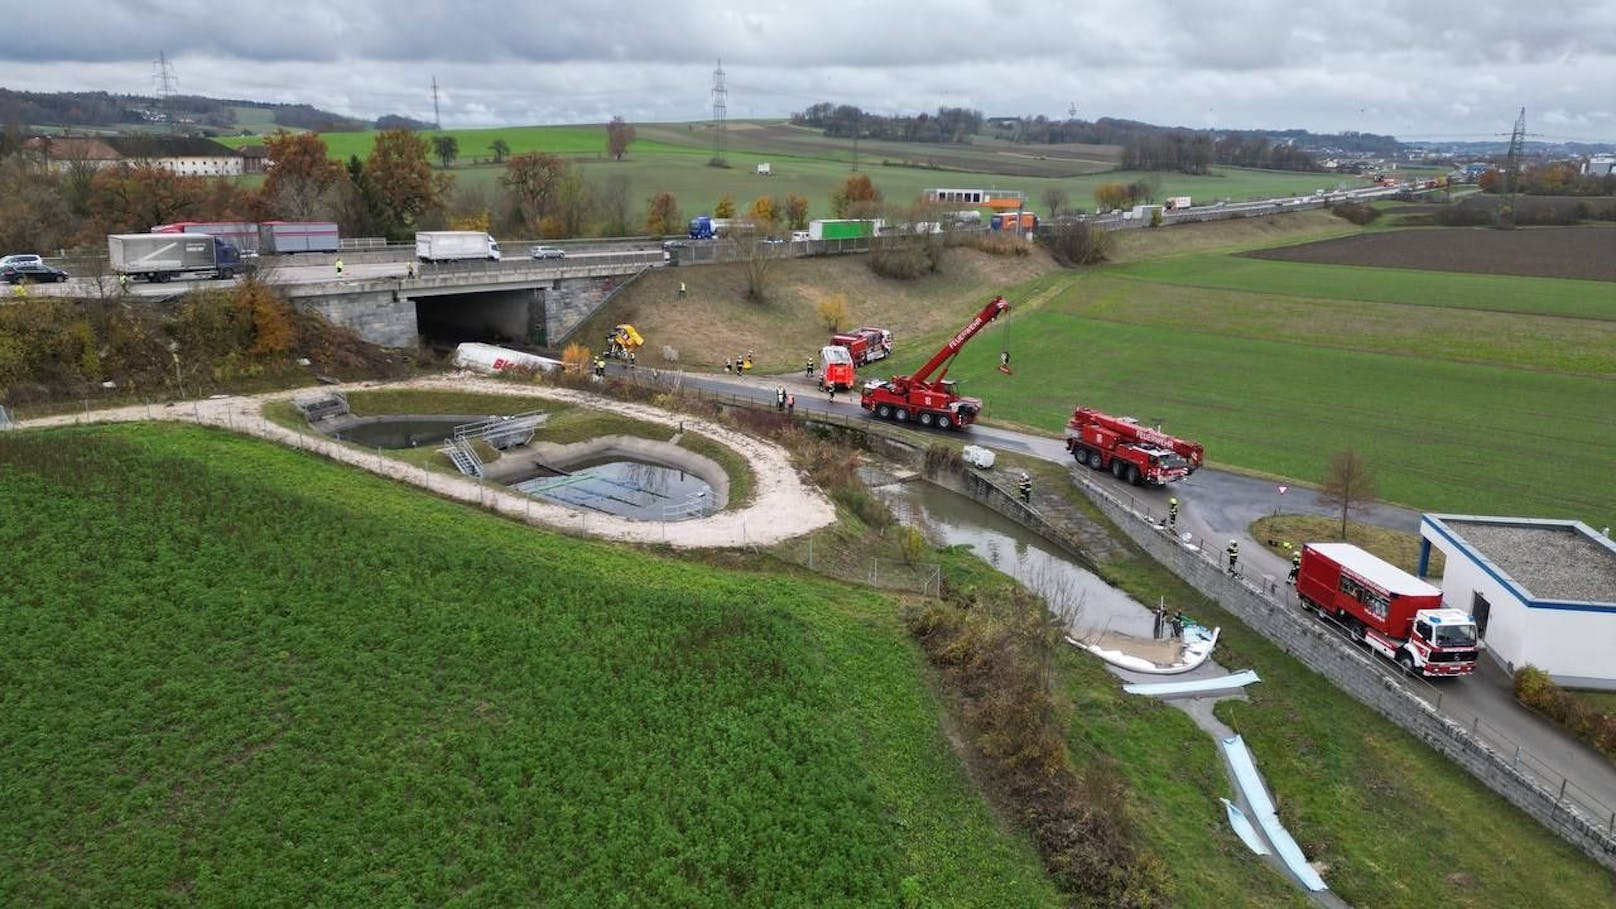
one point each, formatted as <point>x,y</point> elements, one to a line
<point>455,245</point>
<point>158,257</point>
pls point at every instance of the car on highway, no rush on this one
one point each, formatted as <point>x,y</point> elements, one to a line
<point>21,259</point>
<point>32,273</point>
<point>547,252</point>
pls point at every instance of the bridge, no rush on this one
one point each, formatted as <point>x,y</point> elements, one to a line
<point>536,302</point>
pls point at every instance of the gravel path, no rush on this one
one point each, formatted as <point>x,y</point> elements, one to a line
<point>783,505</point>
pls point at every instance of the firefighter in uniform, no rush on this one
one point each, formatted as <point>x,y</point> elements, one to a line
<point>1172,512</point>
<point>1234,554</point>
<point>600,365</point>
<point>808,369</point>
<point>779,397</point>
<point>1025,485</point>
<point>1296,566</point>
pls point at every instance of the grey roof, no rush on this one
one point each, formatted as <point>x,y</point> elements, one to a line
<point>168,147</point>
<point>1551,560</point>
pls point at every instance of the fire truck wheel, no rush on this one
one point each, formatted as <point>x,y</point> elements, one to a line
<point>925,419</point>
<point>943,421</point>
<point>1406,661</point>
<point>1133,474</point>
<point>901,415</point>
<point>1116,469</point>
<point>884,412</point>
<point>1094,460</point>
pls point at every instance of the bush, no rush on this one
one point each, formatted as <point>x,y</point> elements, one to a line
<point>1536,691</point>
<point>1356,212</point>
<point>941,459</point>
<point>996,243</point>
<point>1074,243</point>
<point>906,258</point>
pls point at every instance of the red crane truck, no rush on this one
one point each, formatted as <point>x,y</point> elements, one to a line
<point>865,344</point>
<point>1138,454</point>
<point>928,401</point>
<point>1396,614</point>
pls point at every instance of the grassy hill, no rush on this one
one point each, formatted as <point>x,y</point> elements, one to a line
<point>242,675</point>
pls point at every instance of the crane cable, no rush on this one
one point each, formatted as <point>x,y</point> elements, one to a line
<point>1004,346</point>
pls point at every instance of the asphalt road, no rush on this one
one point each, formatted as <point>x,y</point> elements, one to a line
<point>1217,505</point>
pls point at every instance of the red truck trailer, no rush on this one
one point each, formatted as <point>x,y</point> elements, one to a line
<point>1394,613</point>
<point>865,344</point>
<point>1138,454</point>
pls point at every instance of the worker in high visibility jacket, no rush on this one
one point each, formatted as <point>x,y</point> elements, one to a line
<point>1172,512</point>
<point>1025,485</point>
<point>1296,566</point>
<point>1234,554</point>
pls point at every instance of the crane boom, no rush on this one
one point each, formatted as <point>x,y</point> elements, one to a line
<point>992,311</point>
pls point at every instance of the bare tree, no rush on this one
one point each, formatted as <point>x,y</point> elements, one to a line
<point>612,201</point>
<point>619,134</point>
<point>1349,483</point>
<point>447,148</point>
<point>1056,199</point>
<point>749,242</point>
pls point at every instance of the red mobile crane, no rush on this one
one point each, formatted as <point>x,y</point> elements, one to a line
<point>1139,454</point>
<point>928,401</point>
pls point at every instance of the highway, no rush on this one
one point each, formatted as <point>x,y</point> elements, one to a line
<point>1218,505</point>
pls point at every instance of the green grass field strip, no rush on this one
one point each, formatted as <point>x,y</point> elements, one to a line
<point>243,673</point>
<point>1442,436</point>
<point>1508,339</point>
<point>1501,293</point>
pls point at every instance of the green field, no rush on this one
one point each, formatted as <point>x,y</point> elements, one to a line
<point>241,675</point>
<point>674,158</point>
<point>1276,366</point>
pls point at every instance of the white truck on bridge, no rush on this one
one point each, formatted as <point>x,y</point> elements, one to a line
<point>455,245</point>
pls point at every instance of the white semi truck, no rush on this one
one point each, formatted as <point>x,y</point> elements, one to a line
<point>159,257</point>
<point>455,246</point>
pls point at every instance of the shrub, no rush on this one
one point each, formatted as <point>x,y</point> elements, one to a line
<point>1536,691</point>
<point>833,312</point>
<point>999,244</point>
<point>1359,213</point>
<point>1074,243</point>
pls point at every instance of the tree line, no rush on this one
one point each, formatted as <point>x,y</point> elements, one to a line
<point>949,124</point>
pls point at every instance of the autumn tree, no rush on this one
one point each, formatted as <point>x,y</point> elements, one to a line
<point>400,182</point>
<point>1349,483</point>
<point>796,212</point>
<point>136,199</point>
<point>612,205</point>
<point>500,149</point>
<point>301,179</point>
<point>574,204</point>
<point>34,212</point>
<point>618,136</point>
<point>662,215</point>
<point>764,212</point>
<point>725,208</point>
<point>1111,196</point>
<point>855,198</point>
<point>833,312</point>
<point>533,185</point>
<point>447,148</point>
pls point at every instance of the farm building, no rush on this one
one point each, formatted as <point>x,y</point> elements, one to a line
<point>1543,593</point>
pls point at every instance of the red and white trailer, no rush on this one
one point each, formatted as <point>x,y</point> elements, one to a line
<point>1394,613</point>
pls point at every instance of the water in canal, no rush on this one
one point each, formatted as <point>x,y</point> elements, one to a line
<point>1042,567</point>
<point>631,489</point>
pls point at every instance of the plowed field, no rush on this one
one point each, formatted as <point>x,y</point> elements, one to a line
<point>1546,252</point>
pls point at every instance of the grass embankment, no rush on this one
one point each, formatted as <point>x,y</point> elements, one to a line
<point>1400,549</point>
<point>242,674</point>
<point>1387,818</point>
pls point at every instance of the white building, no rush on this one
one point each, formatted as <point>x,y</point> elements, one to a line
<point>1600,166</point>
<point>1543,593</point>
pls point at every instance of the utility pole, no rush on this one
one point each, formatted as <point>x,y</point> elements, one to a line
<point>163,77</point>
<point>1512,165</point>
<point>437,119</point>
<point>720,112</point>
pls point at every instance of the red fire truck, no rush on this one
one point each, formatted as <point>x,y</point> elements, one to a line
<point>1138,454</point>
<point>865,344</point>
<point>928,401</point>
<point>836,368</point>
<point>1396,614</point>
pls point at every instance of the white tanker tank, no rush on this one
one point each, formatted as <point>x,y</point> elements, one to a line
<point>488,358</point>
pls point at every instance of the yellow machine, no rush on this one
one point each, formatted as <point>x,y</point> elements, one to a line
<point>622,341</point>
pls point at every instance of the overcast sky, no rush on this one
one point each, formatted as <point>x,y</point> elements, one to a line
<point>1418,69</point>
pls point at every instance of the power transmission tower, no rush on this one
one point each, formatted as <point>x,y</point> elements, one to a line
<point>720,111</point>
<point>1512,163</point>
<point>164,79</point>
<point>437,119</point>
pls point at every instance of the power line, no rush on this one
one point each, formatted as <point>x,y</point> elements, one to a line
<point>437,119</point>
<point>167,86</point>
<point>720,112</point>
